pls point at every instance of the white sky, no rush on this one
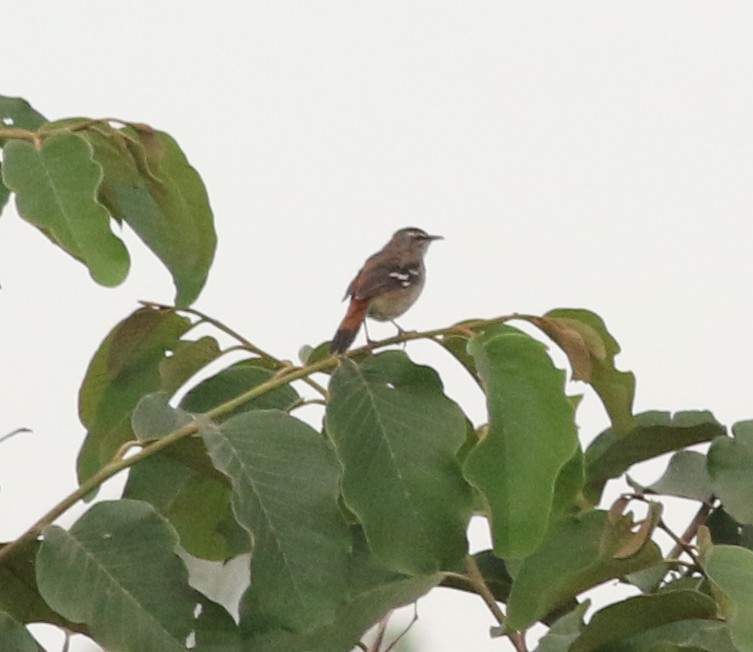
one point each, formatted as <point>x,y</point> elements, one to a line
<point>592,154</point>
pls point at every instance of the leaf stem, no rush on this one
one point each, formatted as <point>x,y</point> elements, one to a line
<point>682,543</point>
<point>21,134</point>
<point>476,579</point>
<point>245,343</point>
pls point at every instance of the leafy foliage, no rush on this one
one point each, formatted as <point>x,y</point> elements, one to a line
<point>364,507</point>
<point>72,178</point>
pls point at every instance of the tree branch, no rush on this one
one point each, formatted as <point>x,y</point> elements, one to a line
<point>285,376</point>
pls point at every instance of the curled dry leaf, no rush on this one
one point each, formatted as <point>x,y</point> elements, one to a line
<point>580,343</point>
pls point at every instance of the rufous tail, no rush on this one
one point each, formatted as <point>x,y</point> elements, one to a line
<point>349,326</point>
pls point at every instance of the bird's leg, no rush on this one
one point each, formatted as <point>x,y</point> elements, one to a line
<point>400,331</point>
<point>369,341</point>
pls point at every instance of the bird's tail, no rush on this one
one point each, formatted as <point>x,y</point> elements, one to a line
<point>349,326</point>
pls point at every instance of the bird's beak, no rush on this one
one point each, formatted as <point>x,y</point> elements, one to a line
<point>435,237</point>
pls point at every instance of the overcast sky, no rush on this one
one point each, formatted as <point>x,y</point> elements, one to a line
<point>592,154</point>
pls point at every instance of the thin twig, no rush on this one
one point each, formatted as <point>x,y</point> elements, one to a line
<point>13,433</point>
<point>381,631</point>
<point>682,543</point>
<point>477,580</point>
<point>413,621</point>
<point>245,343</point>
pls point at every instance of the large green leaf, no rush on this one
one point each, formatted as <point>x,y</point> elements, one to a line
<point>686,476</point>
<point>181,481</point>
<point>597,348</point>
<point>531,436</point>
<point>579,552</point>
<point>184,486</point>
<point>373,591</point>
<point>285,480</point>
<point>234,381</point>
<point>654,433</point>
<point>116,571</point>
<point>56,191</point>
<point>696,635</point>
<point>149,184</point>
<point>14,637</point>
<point>730,569</point>
<point>633,616</point>
<point>730,465</point>
<point>19,595</point>
<point>397,435</point>
<point>187,358</point>
<point>125,367</point>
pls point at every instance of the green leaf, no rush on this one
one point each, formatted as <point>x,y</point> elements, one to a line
<point>563,632</point>
<point>532,435</point>
<point>19,595</point>
<point>730,465</point>
<point>577,554</point>
<point>725,529</point>
<point>615,388</point>
<point>187,358</point>
<point>116,571</point>
<point>184,486</point>
<point>17,113</point>
<point>124,368</point>
<point>686,476</point>
<point>457,345</point>
<point>373,591</point>
<point>56,191</point>
<point>655,433</point>
<point>234,381</point>
<point>364,609</point>
<point>636,615</point>
<point>154,417</point>
<point>681,635</point>
<point>14,637</point>
<point>181,482</point>
<point>149,184</point>
<point>397,436</point>
<point>730,569</point>
<point>569,484</point>
<point>285,480</point>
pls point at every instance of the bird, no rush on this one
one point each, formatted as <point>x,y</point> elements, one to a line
<point>389,283</point>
